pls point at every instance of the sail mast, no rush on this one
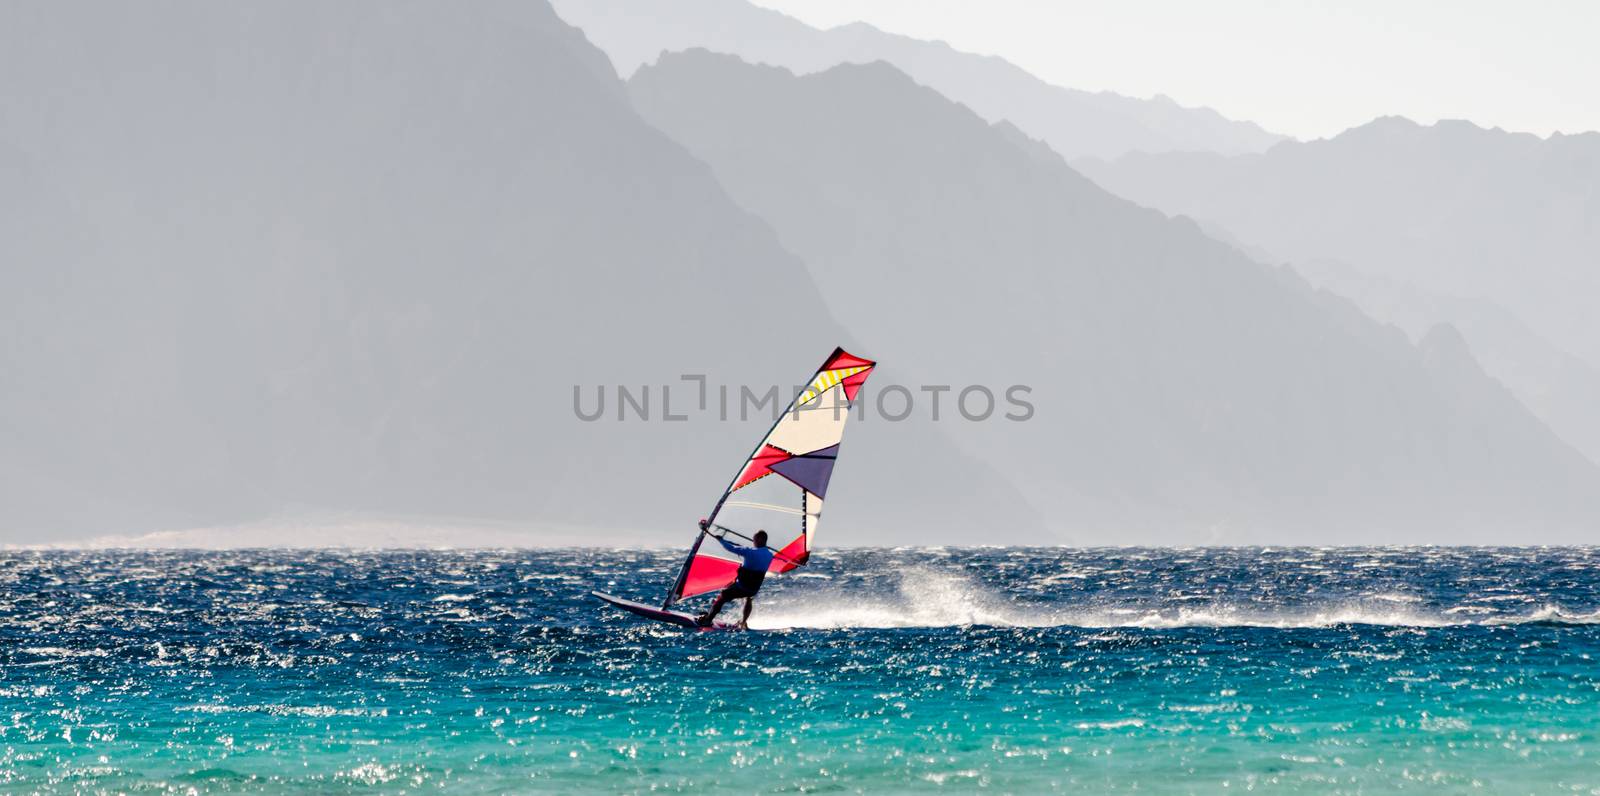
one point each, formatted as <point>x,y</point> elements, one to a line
<point>800,448</point>
<point>677,582</point>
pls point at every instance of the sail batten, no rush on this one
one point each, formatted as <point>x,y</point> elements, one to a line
<point>767,506</point>
<point>783,481</point>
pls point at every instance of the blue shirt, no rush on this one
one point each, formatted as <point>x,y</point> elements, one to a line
<point>756,558</point>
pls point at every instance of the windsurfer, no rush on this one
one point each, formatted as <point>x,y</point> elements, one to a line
<point>752,571</point>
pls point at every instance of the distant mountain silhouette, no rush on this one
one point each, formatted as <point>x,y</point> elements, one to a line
<point>305,257</point>
<point>1075,123</point>
<point>1479,217</point>
<point>1560,388</point>
<point>1186,393</point>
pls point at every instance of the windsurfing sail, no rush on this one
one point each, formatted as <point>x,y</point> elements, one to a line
<point>780,486</point>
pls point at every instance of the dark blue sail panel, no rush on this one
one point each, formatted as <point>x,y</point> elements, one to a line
<point>809,471</point>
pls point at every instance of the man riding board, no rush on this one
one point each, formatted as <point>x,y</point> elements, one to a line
<point>753,565</point>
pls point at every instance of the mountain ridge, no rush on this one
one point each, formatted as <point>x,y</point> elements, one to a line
<point>1237,396</point>
<point>1460,212</point>
<point>356,257</point>
<point>1074,122</point>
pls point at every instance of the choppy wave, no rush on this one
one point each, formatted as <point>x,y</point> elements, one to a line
<point>1020,670</point>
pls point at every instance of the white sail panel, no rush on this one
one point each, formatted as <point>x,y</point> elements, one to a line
<point>812,426</point>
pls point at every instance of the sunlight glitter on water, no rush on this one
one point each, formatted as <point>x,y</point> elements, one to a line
<point>493,671</point>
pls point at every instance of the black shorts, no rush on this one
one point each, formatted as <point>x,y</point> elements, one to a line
<point>743,588</point>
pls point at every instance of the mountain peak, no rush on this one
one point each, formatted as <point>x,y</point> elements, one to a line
<point>1379,128</point>
<point>856,27</point>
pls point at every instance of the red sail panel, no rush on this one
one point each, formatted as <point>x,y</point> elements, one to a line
<point>790,556</point>
<point>844,359</point>
<point>852,384</point>
<point>760,465</point>
<point>707,574</point>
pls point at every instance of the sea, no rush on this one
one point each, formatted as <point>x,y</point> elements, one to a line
<point>1315,670</point>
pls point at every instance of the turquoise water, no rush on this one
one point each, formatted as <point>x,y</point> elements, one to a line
<point>1164,671</point>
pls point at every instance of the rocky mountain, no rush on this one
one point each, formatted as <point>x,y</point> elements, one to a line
<point>264,260</point>
<point>1468,216</point>
<point>1561,389</point>
<point>1185,393</point>
<point>1073,122</point>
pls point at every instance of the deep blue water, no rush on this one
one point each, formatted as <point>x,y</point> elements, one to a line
<point>1166,671</point>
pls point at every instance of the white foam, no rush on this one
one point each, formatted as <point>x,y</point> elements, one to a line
<point>307,711</point>
<point>62,652</point>
<point>927,597</point>
<point>923,598</point>
<point>1109,725</point>
<point>1553,614</point>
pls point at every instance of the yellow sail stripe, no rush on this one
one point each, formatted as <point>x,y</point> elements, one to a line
<point>825,382</point>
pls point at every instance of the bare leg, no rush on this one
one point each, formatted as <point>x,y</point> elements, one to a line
<point>749,603</point>
<point>716,606</point>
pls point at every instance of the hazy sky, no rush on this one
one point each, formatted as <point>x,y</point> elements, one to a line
<point>1308,69</point>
